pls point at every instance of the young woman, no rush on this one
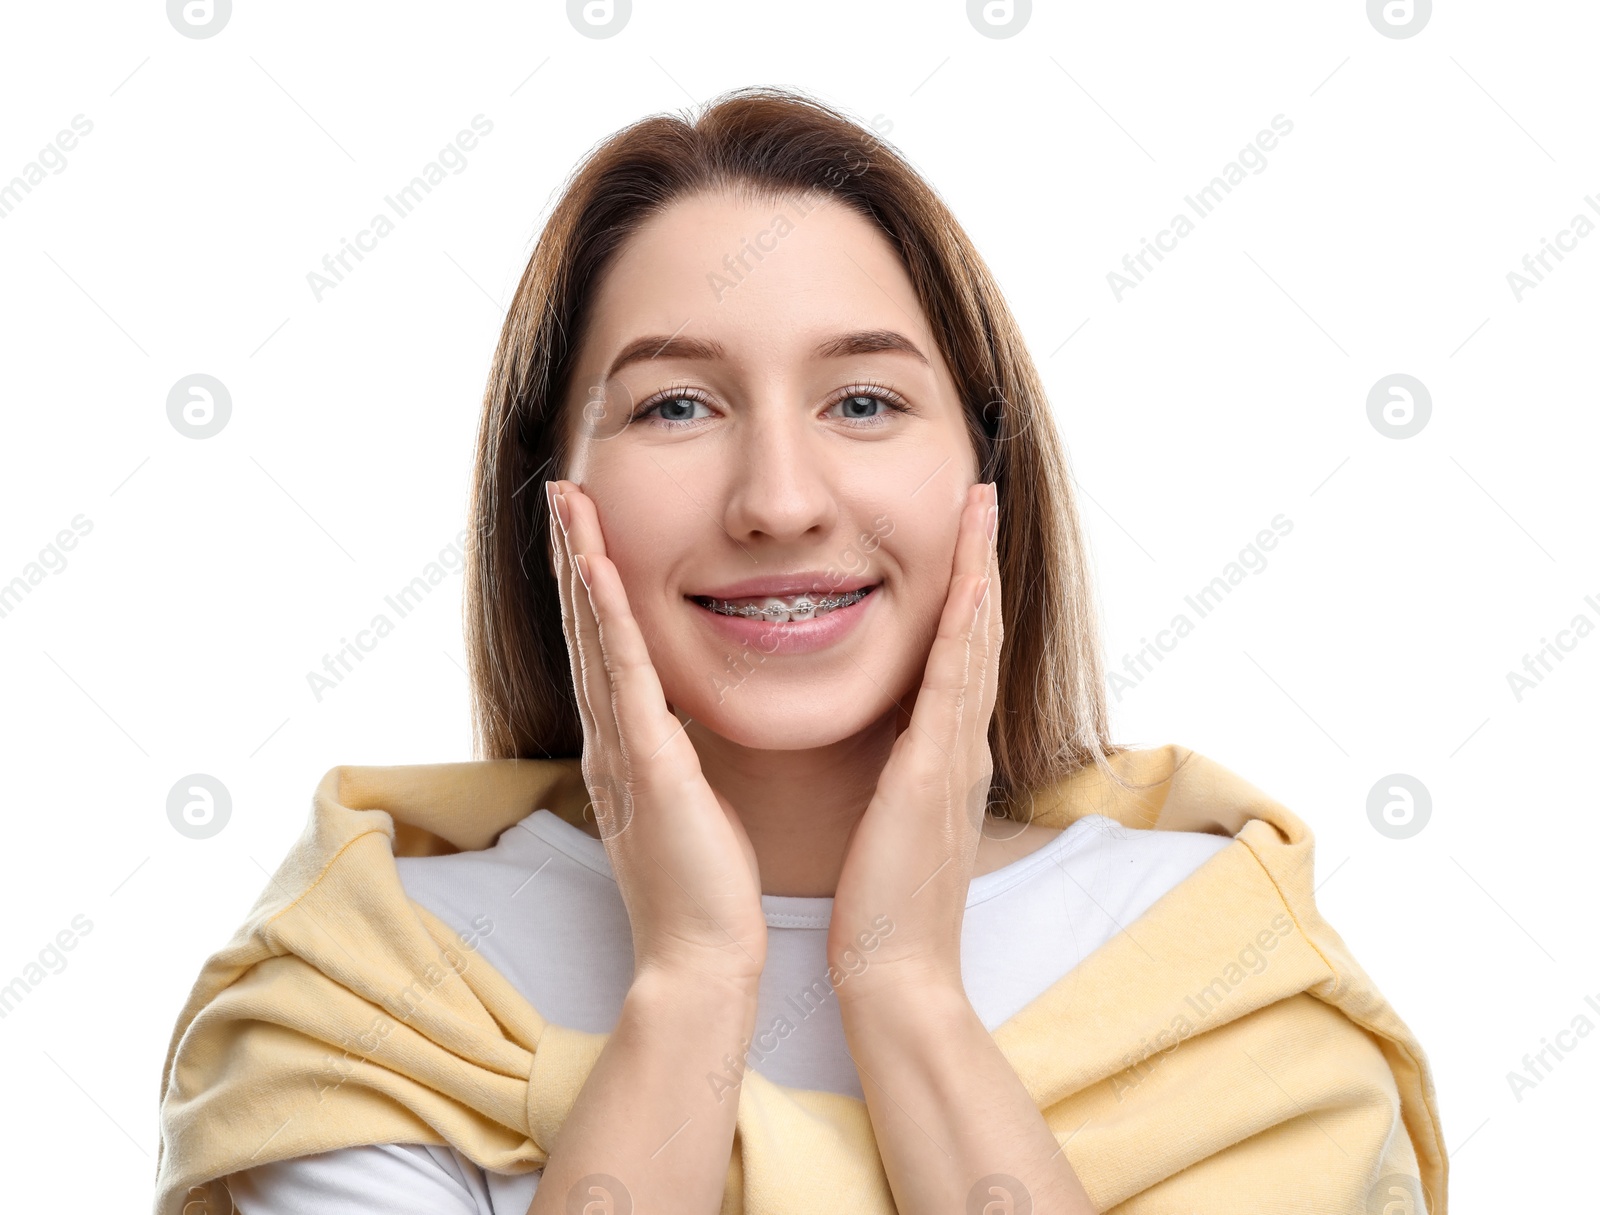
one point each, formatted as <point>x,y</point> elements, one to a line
<point>775,544</point>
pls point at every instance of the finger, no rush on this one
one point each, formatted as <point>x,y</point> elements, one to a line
<point>561,563</point>
<point>593,693</point>
<point>982,670</point>
<point>991,625</point>
<point>945,697</point>
<point>659,754</point>
<point>990,634</point>
<point>585,543</point>
<point>649,737</point>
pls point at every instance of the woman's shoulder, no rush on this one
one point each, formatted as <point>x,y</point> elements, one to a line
<point>1145,862</point>
<point>1005,842</point>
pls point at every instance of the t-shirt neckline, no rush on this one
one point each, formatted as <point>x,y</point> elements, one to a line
<point>813,911</point>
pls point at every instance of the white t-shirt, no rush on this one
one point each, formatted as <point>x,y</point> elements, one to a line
<point>1071,895</point>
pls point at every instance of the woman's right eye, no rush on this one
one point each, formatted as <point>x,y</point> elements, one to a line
<point>671,410</point>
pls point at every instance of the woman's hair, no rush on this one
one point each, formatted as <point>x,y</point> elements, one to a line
<point>1050,708</point>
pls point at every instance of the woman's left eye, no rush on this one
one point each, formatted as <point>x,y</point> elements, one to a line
<point>865,401</point>
<point>856,405</point>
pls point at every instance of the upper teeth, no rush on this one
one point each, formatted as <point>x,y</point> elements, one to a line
<point>801,607</point>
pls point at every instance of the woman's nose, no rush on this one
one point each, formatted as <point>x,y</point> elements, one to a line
<point>781,482</point>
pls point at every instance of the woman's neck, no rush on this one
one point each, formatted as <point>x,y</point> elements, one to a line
<point>799,806</point>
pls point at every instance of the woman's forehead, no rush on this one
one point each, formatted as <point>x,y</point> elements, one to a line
<point>765,277</point>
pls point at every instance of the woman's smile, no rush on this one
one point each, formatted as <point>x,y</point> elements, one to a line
<point>777,630</point>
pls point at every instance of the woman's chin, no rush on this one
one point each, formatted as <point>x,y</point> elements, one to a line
<point>777,723</point>
<point>785,738</point>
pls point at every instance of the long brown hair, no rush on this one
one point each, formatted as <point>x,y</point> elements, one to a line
<point>1050,711</point>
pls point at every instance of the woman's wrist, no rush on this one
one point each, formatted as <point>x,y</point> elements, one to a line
<point>901,991</point>
<point>702,990</point>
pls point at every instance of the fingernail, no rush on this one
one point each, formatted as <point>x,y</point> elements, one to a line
<point>983,593</point>
<point>561,512</point>
<point>583,569</point>
<point>994,522</point>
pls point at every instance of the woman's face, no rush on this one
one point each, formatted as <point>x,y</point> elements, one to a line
<point>733,415</point>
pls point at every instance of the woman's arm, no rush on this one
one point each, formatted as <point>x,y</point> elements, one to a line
<point>955,1127</point>
<point>649,1122</point>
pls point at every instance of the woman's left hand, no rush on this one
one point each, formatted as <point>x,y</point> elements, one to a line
<point>902,892</point>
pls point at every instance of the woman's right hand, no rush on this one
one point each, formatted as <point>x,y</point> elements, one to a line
<point>682,859</point>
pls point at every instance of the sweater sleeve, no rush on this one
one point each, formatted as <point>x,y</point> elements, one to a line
<point>392,1178</point>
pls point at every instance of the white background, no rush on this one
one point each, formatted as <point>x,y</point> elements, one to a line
<point>1227,388</point>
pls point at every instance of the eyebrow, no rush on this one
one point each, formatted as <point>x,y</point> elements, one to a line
<point>844,345</point>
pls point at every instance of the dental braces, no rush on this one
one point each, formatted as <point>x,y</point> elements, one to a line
<point>802,604</point>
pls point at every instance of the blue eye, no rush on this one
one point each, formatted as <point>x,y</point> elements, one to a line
<point>672,403</point>
<point>865,396</point>
<point>666,409</point>
<point>860,399</point>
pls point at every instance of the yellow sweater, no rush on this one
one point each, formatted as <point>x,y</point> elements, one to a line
<point>1224,1054</point>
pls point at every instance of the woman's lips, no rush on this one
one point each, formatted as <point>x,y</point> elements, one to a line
<point>798,637</point>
